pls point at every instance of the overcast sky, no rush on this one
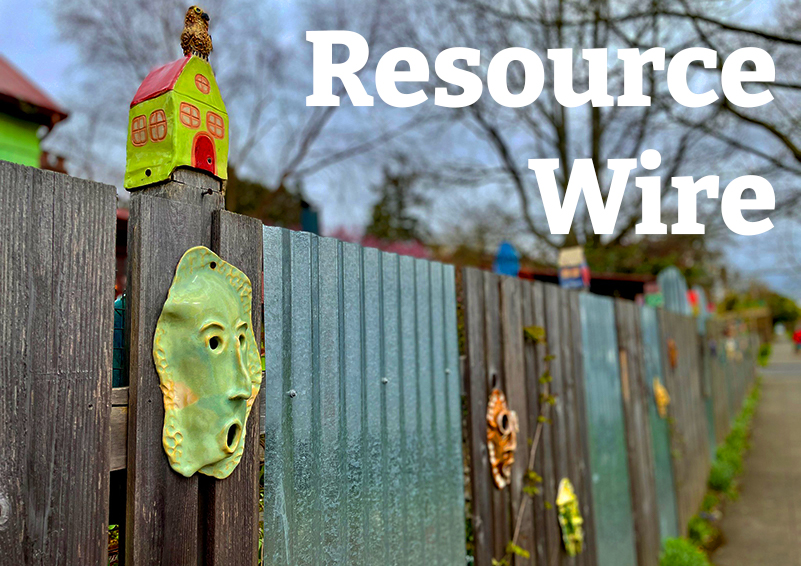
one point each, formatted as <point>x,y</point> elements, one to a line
<point>29,40</point>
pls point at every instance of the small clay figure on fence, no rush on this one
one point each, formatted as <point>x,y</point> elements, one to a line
<point>502,431</point>
<point>195,39</point>
<point>178,117</point>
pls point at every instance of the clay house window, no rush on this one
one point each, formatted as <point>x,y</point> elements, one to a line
<point>215,125</point>
<point>190,116</point>
<point>202,84</point>
<point>139,131</point>
<point>158,125</point>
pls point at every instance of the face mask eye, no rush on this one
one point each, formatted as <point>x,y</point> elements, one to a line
<point>503,423</point>
<point>214,342</point>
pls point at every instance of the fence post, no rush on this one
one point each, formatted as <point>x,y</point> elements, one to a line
<point>173,520</point>
<point>230,508</point>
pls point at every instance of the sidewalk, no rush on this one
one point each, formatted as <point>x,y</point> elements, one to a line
<point>763,527</point>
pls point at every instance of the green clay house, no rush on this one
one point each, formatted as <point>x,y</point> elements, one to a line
<point>177,119</point>
<point>27,115</point>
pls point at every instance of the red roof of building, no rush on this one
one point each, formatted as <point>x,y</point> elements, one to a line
<point>16,88</point>
<point>160,80</point>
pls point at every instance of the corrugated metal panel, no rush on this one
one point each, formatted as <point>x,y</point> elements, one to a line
<point>363,457</point>
<point>674,290</point>
<point>614,526</point>
<point>660,429</point>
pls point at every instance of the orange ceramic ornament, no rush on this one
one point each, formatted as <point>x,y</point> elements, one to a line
<point>502,431</point>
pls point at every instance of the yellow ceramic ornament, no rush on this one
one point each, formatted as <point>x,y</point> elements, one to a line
<point>570,518</point>
<point>662,398</point>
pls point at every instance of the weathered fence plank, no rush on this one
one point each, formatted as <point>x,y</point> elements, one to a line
<point>556,439</point>
<point>495,328</point>
<point>689,438</point>
<point>160,501</point>
<point>638,437</point>
<point>493,347</point>
<point>659,427</point>
<point>511,316</point>
<point>56,325</point>
<point>230,508</point>
<point>534,356</point>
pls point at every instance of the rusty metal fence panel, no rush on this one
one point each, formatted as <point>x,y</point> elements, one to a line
<point>363,457</point>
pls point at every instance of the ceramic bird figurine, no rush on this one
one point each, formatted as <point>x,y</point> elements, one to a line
<point>195,39</point>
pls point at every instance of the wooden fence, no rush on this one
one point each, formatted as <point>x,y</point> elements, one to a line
<point>371,441</point>
<point>496,312</point>
<point>639,476</point>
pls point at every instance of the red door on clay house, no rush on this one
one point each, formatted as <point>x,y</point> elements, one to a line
<point>203,154</point>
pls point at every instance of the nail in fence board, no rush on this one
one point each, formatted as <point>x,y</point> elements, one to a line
<point>56,325</point>
<point>162,509</point>
<point>638,437</point>
<point>230,507</point>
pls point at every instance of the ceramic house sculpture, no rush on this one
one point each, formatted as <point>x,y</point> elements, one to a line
<point>177,119</point>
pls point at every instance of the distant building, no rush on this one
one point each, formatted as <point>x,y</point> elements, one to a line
<point>27,115</point>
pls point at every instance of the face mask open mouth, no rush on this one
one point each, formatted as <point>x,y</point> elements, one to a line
<point>232,437</point>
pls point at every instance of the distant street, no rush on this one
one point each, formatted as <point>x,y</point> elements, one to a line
<point>763,527</point>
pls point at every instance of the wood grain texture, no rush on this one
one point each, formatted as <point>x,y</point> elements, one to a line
<point>56,325</point>
<point>493,347</point>
<point>638,433</point>
<point>533,355</point>
<point>162,507</point>
<point>553,438</point>
<point>715,349</point>
<point>688,438</point>
<point>477,396</point>
<point>230,507</point>
<point>497,310</point>
<point>118,440</point>
<point>511,315</point>
<point>542,464</point>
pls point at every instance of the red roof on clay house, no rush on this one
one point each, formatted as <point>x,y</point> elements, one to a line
<point>160,80</point>
<point>16,88</point>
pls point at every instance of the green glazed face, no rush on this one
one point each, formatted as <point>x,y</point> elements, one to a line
<point>208,364</point>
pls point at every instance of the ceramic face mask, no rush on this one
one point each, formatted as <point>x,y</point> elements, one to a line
<point>208,364</point>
